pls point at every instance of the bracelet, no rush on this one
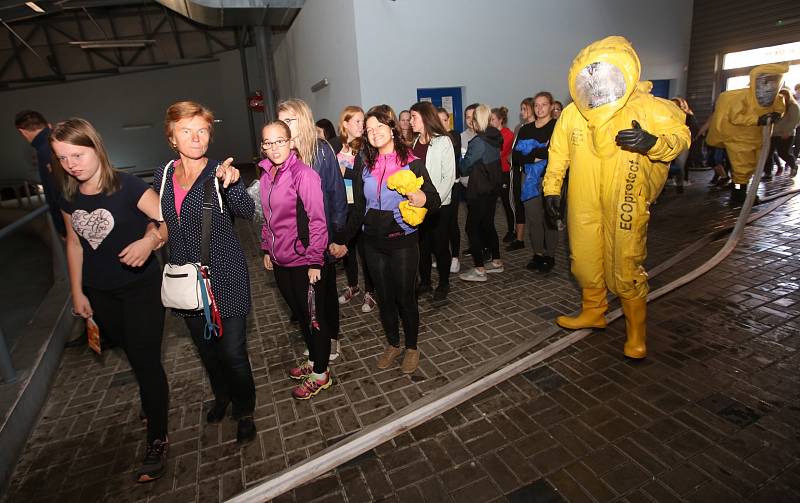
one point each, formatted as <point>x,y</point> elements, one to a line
<point>158,238</point>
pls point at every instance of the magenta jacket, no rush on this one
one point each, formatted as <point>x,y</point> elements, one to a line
<point>279,237</point>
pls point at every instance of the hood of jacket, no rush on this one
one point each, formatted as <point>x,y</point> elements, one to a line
<point>492,136</point>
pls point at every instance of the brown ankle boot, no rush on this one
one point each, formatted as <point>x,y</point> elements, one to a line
<point>635,326</point>
<point>410,361</point>
<point>592,314</point>
<point>389,355</point>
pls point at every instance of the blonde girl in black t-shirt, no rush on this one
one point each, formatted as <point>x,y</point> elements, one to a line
<point>113,275</point>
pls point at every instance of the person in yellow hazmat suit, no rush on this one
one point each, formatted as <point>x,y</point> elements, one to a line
<point>617,140</point>
<point>737,119</point>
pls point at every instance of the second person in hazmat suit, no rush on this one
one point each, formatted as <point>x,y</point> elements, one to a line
<point>738,115</point>
<point>617,140</point>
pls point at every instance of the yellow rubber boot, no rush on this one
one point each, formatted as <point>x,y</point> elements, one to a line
<point>592,314</point>
<point>636,327</point>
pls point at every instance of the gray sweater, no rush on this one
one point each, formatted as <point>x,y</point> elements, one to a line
<point>786,125</point>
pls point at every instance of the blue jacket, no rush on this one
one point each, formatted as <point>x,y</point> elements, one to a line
<point>534,171</point>
<point>333,194</point>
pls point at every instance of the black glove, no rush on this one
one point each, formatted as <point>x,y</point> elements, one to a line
<point>636,139</point>
<point>552,206</point>
<point>771,117</point>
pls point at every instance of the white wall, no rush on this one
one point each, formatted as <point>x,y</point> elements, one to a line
<point>505,50</point>
<point>320,44</point>
<point>137,98</point>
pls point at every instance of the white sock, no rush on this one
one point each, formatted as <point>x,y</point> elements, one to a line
<point>319,377</point>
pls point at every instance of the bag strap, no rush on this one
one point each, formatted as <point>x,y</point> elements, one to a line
<point>161,190</point>
<point>208,208</point>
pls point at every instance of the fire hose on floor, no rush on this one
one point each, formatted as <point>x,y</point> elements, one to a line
<point>487,374</point>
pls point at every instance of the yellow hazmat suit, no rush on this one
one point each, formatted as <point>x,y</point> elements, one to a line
<point>735,122</point>
<point>610,189</point>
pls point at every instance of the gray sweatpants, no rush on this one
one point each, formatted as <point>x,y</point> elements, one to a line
<point>544,240</point>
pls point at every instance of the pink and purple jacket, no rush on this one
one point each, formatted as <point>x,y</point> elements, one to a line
<point>279,234</point>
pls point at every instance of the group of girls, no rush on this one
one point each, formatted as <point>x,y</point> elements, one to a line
<point>321,203</point>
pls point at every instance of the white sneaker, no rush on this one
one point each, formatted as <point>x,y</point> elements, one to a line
<point>473,275</point>
<point>335,349</point>
<point>369,303</point>
<point>347,294</point>
<point>491,267</point>
<point>455,265</point>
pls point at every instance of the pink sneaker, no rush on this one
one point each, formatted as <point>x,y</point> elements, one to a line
<point>302,371</point>
<point>311,387</point>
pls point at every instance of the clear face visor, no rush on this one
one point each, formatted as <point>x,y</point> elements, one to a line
<point>598,84</point>
<point>767,87</point>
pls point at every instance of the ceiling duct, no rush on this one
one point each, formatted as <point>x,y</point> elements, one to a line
<point>279,14</point>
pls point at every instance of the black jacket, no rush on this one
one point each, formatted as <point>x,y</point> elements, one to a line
<point>481,163</point>
<point>381,225</point>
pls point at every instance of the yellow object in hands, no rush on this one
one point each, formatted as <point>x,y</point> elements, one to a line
<point>411,214</point>
<point>404,182</point>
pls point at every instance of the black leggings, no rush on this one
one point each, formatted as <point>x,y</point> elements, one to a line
<point>394,271</point>
<point>227,363</point>
<point>433,238</point>
<point>454,232</point>
<point>516,194</point>
<point>132,317</point>
<point>506,196</point>
<point>355,248</point>
<point>293,285</point>
<point>480,227</point>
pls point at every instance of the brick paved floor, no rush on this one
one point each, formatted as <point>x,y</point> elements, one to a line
<point>711,415</point>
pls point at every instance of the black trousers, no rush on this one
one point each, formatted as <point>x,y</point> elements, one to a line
<point>227,363</point>
<point>507,196</point>
<point>293,285</point>
<point>434,239</point>
<point>132,317</point>
<point>454,231</point>
<point>354,249</point>
<point>516,194</point>
<point>782,147</point>
<point>480,227</point>
<point>394,271</point>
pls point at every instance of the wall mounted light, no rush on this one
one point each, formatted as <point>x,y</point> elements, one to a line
<point>322,84</point>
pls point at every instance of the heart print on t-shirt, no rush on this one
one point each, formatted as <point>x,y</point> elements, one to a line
<point>94,227</point>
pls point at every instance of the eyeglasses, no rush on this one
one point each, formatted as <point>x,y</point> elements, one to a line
<point>289,120</point>
<point>266,145</point>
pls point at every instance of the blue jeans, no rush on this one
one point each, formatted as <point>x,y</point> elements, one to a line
<point>227,363</point>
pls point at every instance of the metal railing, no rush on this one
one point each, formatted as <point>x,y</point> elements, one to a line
<point>7,371</point>
<point>22,192</point>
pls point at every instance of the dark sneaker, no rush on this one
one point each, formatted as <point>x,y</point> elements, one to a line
<point>535,263</point>
<point>217,412</point>
<point>245,430</point>
<point>155,462</point>
<point>424,288</point>
<point>515,245</point>
<point>547,264</point>
<point>369,303</point>
<point>440,294</point>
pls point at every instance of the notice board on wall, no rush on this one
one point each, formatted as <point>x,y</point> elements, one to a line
<point>451,98</point>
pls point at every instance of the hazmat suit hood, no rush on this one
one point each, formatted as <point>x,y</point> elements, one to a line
<point>765,82</point>
<point>602,78</point>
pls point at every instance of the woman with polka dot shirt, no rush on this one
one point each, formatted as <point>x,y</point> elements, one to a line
<point>189,127</point>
